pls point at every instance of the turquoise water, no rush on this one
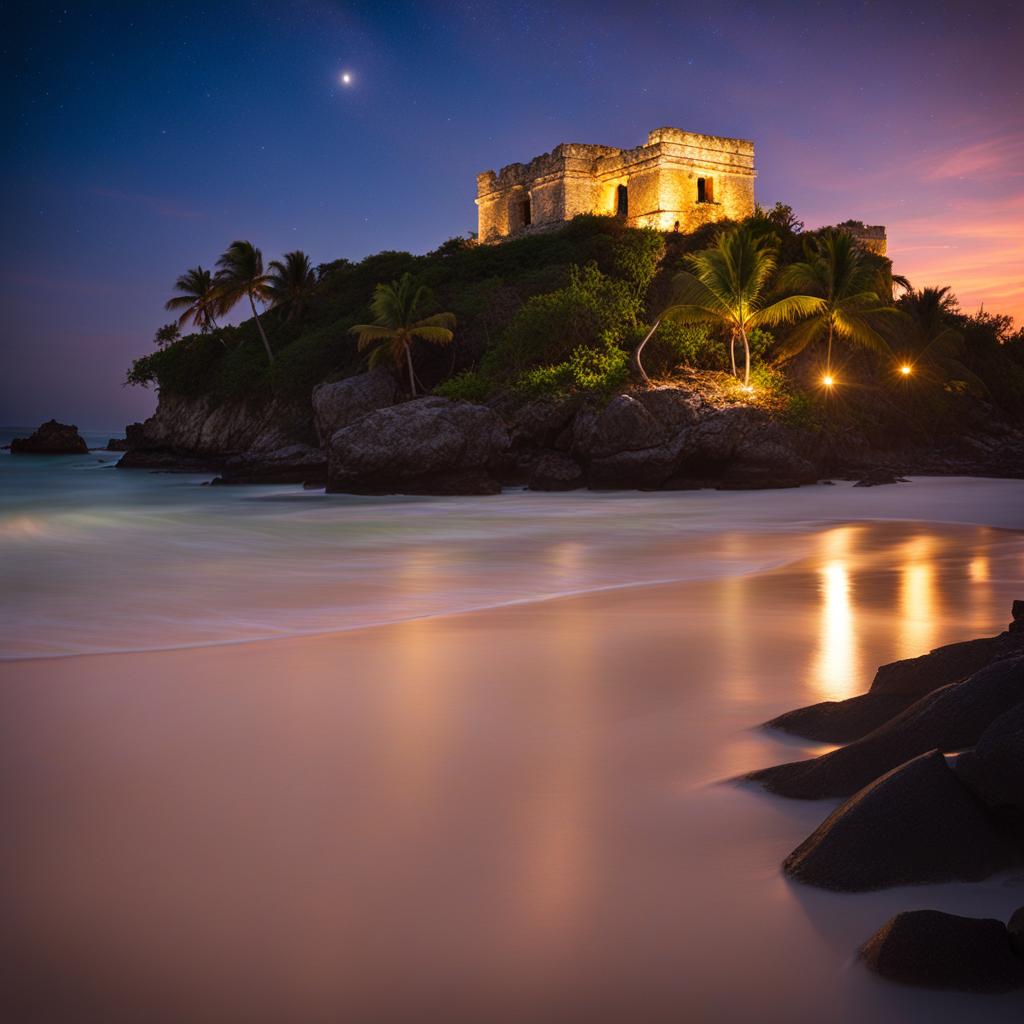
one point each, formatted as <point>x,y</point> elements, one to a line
<point>95,559</point>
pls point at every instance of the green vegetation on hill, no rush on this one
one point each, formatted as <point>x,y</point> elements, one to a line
<point>564,311</point>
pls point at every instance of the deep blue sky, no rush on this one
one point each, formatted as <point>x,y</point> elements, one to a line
<point>140,139</point>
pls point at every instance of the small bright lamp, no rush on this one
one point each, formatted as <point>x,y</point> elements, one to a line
<point>905,369</point>
<point>828,380</point>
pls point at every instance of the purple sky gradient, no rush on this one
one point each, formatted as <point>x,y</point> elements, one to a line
<point>140,139</point>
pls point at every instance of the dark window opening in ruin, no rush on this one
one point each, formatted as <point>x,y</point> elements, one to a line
<point>622,201</point>
<point>705,190</point>
<point>526,214</point>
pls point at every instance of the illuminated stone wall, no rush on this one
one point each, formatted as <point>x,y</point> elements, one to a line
<point>661,181</point>
<point>871,237</point>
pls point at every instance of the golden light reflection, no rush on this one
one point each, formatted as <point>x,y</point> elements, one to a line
<point>978,569</point>
<point>558,875</point>
<point>836,670</point>
<point>918,620</point>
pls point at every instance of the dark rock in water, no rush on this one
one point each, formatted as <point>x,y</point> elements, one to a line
<point>918,676</point>
<point>842,721</point>
<point>896,686</point>
<point>426,446</point>
<point>1015,926</point>
<point>952,718</point>
<point>916,824</point>
<point>52,438</point>
<point>294,464</point>
<point>343,402</point>
<point>117,444</point>
<point>880,477</point>
<point>168,462</point>
<point>994,769</point>
<point>557,472</point>
<point>937,950</point>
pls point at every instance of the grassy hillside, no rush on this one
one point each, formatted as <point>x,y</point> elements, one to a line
<point>561,311</point>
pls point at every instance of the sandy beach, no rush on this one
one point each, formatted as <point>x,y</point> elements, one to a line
<point>521,813</point>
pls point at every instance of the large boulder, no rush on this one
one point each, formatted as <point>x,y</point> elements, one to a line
<point>767,464</point>
<point>294,464</point>
<point>898,685</point>
<point>643,468</point>
<point>994,768</point>
<point>427,446</point>
<point>937,950</point>
<point>952,718</point>
<point>556,472</point>
<point>915,824</point>
<point>52,438</point>
<point>342,402</point>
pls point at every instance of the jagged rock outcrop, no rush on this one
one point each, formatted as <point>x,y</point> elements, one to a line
<point>294,464</point>
<point>426,446</point>
<point>952,718</point>
<point>340,403</point>
<point>201,431</point>
<point>665,437</point>
<point>51,438</point>
<point>945,951</point>
<point>918,823</point>
<point>117,444</point>
<point>899,684</point>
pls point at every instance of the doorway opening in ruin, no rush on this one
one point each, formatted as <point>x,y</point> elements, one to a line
<point>622,201</point>
<point>520,214</point>
<point>705,190</point>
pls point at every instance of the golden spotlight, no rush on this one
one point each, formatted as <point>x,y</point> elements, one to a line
<point>828,380</point>
<point>905,369</point>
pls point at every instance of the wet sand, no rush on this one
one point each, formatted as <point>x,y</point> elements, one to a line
<point>516,814</point>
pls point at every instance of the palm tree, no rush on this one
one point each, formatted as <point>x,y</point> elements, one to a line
<point>397,323</point>
<point>727,287</point>
<point>241,275</point>
<point>849,282</point>
<point>291,283</point>
<point>933,338</point>
<point>198,299</point>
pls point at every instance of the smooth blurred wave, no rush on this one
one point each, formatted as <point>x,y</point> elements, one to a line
<point>94,559</point>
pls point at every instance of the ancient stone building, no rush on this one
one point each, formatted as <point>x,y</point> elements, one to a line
<point>677,181</point>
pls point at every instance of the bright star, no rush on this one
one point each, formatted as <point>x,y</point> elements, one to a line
<point>346,78</point>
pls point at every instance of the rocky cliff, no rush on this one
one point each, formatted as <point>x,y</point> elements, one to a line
<point>359,435</point>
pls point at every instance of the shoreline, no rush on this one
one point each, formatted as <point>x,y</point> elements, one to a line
<point>780,565</point>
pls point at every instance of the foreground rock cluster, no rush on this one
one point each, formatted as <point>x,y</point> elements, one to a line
<point>932,772</point>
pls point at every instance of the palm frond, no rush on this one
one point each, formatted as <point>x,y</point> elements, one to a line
<point>786,310</point>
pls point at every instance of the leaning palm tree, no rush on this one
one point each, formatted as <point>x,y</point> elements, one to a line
<point>198,300</point>
<point>397,322</point>
<point>240,276</point>
<point>848,282</point>
<point>291,283</point>
<point>728,287</point>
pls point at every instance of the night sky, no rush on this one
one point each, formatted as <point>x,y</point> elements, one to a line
<point>140,139</point>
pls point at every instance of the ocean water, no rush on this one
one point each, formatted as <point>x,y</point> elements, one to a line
<point>523,815</point>
<point>93,559</point>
